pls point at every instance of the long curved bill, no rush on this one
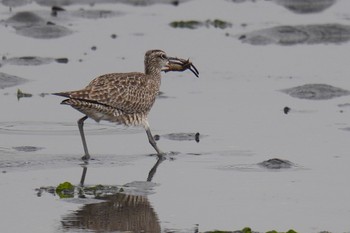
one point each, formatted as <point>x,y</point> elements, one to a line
<point>179,64</point>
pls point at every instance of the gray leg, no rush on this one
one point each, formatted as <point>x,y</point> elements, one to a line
<point>81,130</point>
<point>152,141</point>
<point>152,172</point>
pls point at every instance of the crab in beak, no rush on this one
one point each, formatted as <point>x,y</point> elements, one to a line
<point>179,64</point>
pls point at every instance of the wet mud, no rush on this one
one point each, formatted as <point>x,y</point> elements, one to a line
<point>276,163</point>
<point>299,34</point>
<point>316,92</point>
<point>31,25</point>
<point>269,165</point>
<point>180,136</point>
<point>27,148</point>
<point>61,128</point>
<point>306,6</point>
<point>48,31</point>
<point>7,80</point>
<point>247,117</point>
<point>31,61</point>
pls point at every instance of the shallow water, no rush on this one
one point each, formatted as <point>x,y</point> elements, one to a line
<point>236,106</point>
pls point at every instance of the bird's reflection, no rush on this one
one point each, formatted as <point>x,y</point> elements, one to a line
<point>153,170</point>
<point>119,212</point>
<point>151,173</point>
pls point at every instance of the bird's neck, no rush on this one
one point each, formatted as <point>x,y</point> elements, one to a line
<point>152,71</point>
<point>154,79</point>
<point>154,75</point>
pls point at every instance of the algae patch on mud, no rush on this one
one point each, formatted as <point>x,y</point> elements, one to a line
<point>21,94</point>
<point>194,24</point>
<point>68,190</point>
<point>65,190</point>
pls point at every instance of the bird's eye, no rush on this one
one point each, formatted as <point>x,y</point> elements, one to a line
<point>163,56</point>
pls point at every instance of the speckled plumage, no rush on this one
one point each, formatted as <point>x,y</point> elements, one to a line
<point>123,98</point>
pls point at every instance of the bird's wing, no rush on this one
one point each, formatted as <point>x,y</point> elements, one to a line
<point>124,91</point>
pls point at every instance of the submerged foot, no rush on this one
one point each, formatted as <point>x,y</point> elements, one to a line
<point>161,155</point>
<point>86,157</point>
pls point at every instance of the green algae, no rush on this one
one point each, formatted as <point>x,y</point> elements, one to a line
<point>190,24</point>
<point>65,190</point>
<point>21,94</point>
<point>68,190</point>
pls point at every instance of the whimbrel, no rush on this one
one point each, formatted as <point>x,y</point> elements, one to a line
<point>124,98</point>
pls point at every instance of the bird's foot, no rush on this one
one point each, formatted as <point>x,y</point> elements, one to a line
<point>86,158</point>
<point>161,155</point>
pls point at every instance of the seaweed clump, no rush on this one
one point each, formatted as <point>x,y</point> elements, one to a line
<point>194,24</point>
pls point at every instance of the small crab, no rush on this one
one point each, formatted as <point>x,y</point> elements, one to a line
<point>179,64</point>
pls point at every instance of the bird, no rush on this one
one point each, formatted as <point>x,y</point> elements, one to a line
<point>124,98</point>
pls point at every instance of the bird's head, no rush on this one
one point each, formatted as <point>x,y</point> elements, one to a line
<point>157,61</point>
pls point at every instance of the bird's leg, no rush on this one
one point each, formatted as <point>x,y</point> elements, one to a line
<point>152,141</point>
<point>86,157</point>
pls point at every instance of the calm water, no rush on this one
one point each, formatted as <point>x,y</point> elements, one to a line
<point>237,105</point>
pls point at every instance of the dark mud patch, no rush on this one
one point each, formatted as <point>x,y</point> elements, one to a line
<point>346,105</point>
<point>44,31</point>
<point>316,92</point>
<point>7,80</point>
<point>24,19</point>
<point>31,25</point>
<point>306,6</point>
<point>180,136</point>
<point>27,148</point>
<point>274,164</point>
<point>299,34</point>
<point>32,61</point>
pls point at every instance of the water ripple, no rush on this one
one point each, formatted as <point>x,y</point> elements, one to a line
<point>61,128</point>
